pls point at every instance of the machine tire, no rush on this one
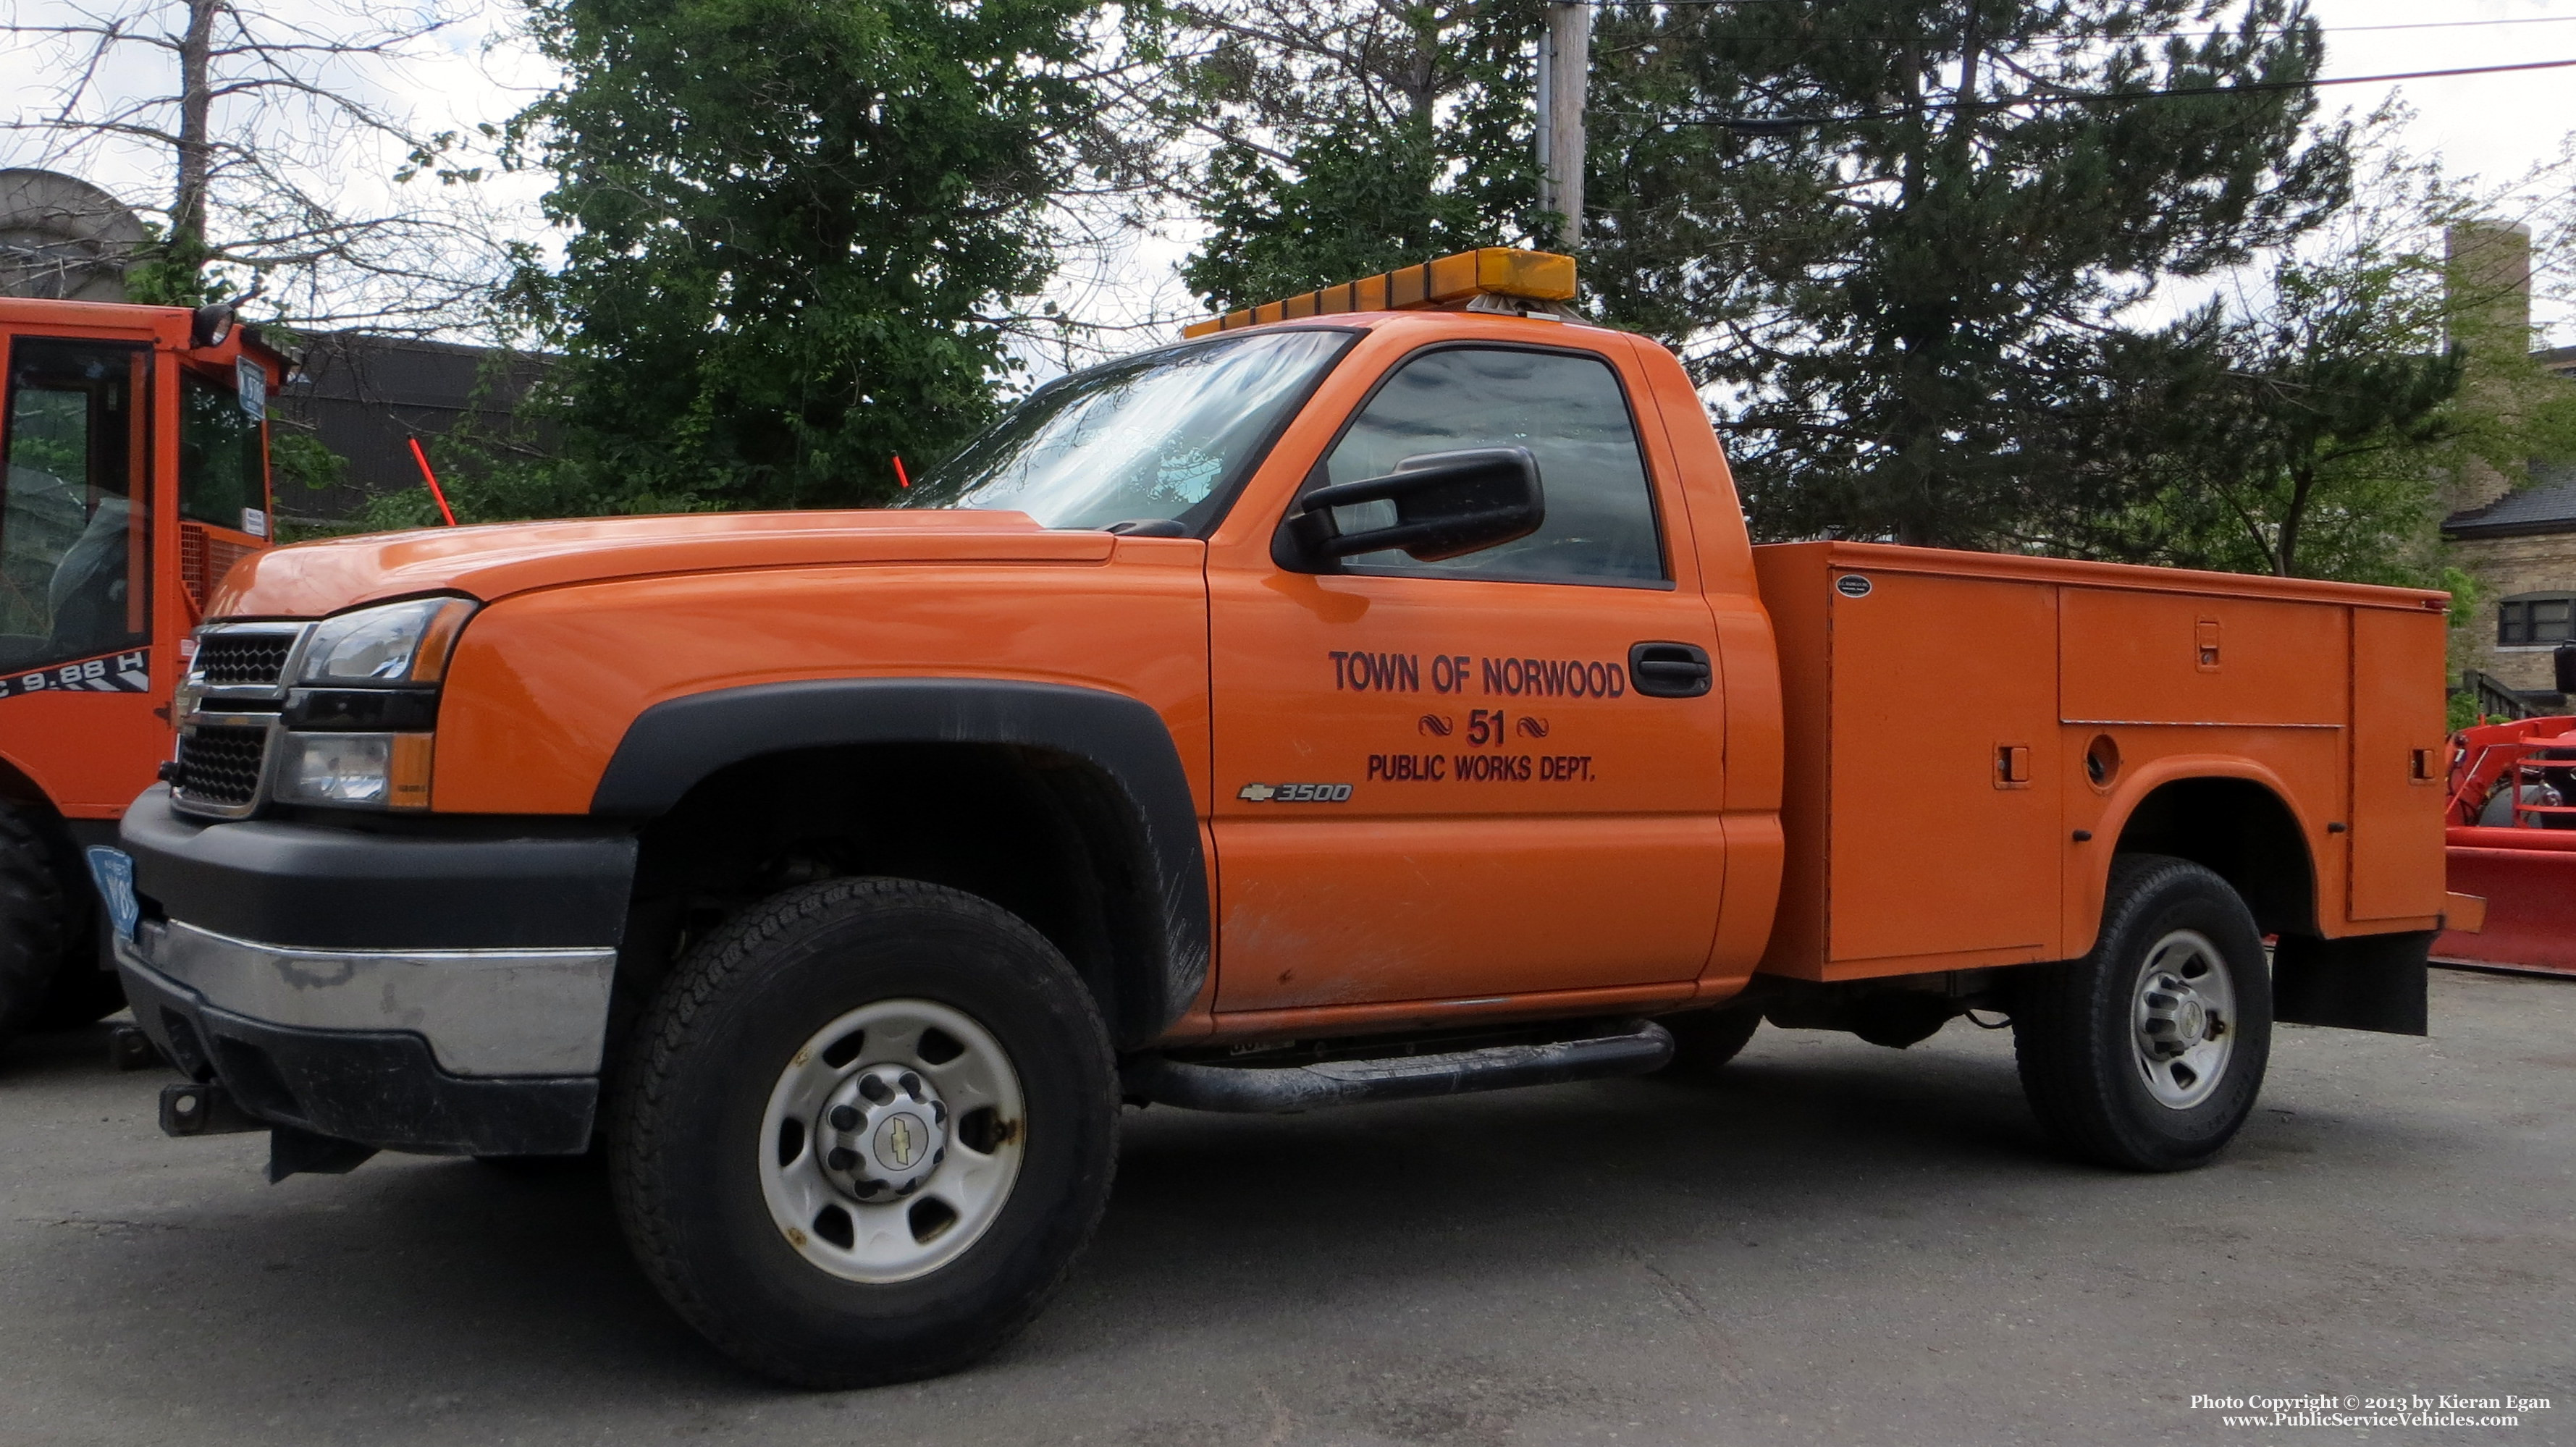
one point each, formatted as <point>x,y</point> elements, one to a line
<point>2107,1068</point>
<point>82,993</point>
<point>1705,1040</point>
<point>697,1142</point>
<point>32,915</point>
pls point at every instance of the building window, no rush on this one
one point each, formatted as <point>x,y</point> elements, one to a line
<point>2535,619</point>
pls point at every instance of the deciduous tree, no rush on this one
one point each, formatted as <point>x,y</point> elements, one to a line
<point>793,234</point>
<point>262,132</point>
<point>2318,420</point>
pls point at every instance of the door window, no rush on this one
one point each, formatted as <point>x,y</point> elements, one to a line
<point>72,574</point>
<point>1569,411</point>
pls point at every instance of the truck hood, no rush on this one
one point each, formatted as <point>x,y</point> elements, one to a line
<point>310,579</point>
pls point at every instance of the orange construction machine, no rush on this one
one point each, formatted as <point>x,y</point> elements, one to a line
<point>2512,841</point>
<point>1374,695</point>
<point>137,473</point>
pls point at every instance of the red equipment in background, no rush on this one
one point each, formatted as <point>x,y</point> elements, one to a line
<point>2512,839</point>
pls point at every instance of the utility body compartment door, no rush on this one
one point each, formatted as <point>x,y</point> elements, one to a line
<point>1945,791</point>
<point>2399,764</point>
<point>1444,781</point>
<point>1925,767</point>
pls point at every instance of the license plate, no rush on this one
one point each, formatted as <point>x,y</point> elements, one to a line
<point>113,869</point>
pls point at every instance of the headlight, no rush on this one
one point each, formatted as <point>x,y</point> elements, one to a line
<point>387,771</point>
<point>394,643</point>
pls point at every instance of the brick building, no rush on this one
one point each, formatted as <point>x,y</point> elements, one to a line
<point>2518,541</point>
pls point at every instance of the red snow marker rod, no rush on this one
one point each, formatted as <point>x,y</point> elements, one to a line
<point>434,491</point>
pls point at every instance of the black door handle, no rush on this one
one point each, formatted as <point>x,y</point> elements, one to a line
<point>1670,670</point>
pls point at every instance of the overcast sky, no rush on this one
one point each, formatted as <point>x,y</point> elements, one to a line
<point>2493,125</point>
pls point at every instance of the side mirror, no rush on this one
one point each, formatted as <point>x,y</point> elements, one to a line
<point>1438,505</point>
<point>2562,661</point>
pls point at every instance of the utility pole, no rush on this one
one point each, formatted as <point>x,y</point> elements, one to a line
<point>1564,72</point>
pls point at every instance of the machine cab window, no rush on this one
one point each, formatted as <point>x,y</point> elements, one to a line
<point>222,471</point>
<point>73,539</point>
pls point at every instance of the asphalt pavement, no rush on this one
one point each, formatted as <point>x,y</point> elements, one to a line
<point>1840,1244</point>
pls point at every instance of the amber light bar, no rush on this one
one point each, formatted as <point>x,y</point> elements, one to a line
<point>1449,281</point>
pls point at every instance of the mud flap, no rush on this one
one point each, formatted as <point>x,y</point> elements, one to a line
<point>2368,982</point>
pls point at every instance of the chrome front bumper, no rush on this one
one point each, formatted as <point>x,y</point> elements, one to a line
<point>482,1012</point>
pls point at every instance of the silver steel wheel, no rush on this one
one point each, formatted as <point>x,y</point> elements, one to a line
<point>892,1141</point>
<point>2183,1019</point>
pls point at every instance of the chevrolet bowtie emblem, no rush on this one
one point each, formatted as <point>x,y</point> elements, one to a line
<point>899,1143</point>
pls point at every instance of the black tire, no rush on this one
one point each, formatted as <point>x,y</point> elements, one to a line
<point>82,994</point>
<point>2085,1061</point>
<point>1705,1040</point>
<point>33,916</point>
<point>689,1123</point>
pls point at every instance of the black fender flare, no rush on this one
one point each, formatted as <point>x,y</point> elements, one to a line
<point>674,744</point>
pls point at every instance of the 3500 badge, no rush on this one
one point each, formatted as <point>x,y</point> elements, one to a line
<point>1295,793</point>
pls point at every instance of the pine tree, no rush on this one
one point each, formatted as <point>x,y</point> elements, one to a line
<point>1905,242</point>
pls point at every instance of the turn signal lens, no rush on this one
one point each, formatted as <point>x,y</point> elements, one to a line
<point>407,781</point>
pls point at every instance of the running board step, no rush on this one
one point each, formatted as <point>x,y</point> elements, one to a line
<point>1643,1047</point>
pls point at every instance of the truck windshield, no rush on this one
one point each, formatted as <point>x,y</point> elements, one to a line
<point>1165,435</point>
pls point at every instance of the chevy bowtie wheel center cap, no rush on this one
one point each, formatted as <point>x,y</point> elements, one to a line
<point>883,1133</point>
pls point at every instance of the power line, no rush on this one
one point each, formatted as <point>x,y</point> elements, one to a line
<point>2125,35</point>
<point>1774,125</point>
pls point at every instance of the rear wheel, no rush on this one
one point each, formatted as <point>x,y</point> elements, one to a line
<point>871,1124</point>
<point>33,918</point>
<point>2148,1053</point>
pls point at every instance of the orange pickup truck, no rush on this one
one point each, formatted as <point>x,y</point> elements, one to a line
<point>1374,696</point>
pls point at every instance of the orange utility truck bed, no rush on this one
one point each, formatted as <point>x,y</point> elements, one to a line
<point>1970,736</point>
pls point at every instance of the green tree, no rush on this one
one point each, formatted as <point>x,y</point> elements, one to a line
<point>794,227</point>
<point>2320,422</point>
<point>1910,255</point>
<point>1351,138</point>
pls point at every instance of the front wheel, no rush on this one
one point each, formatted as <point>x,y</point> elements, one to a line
<point>871,1125</point>
<point>1705,1040</point>
<point>2148,1052</point>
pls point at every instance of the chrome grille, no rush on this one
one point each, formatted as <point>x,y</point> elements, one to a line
<point>235,660</point>
<point>220,764</point>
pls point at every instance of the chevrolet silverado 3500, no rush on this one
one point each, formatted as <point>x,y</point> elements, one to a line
<point>1375,695</point>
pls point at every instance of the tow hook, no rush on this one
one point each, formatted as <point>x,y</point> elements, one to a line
<point>128,1048</point>
<point>205,1108</point>
<point>195,1108</point>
